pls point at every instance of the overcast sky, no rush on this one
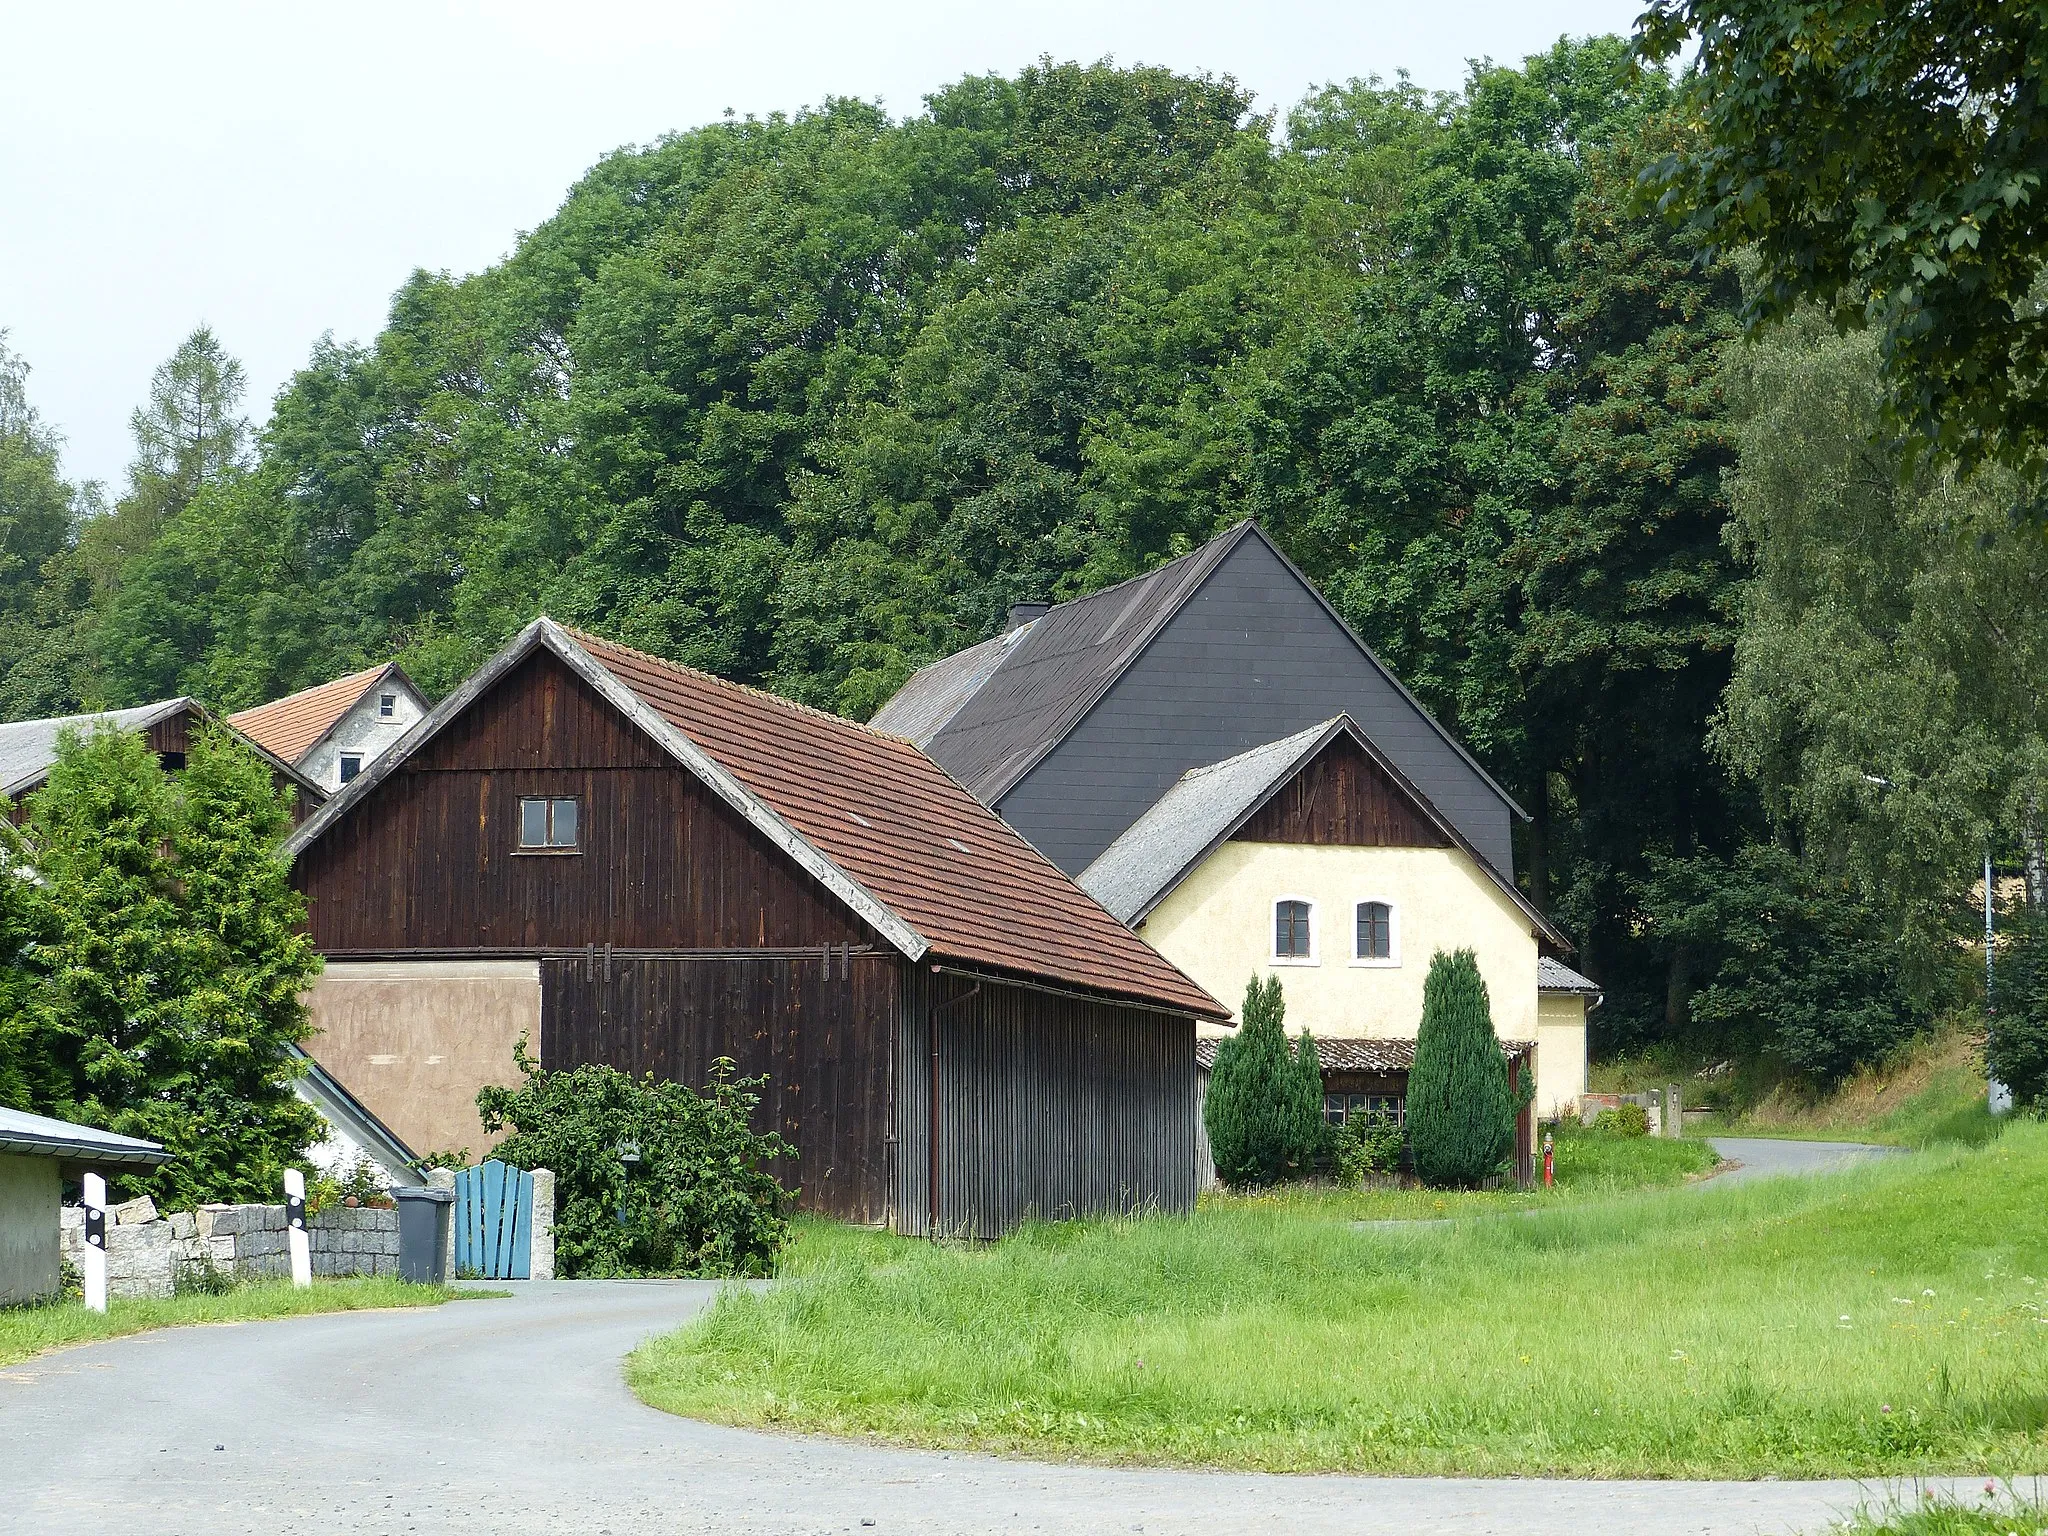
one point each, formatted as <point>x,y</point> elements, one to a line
<point>277,170</point>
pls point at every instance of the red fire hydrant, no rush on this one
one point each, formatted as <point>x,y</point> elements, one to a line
<point>1549,1161</point>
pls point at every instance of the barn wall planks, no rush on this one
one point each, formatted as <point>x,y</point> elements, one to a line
<point>818,1027</point>
<point>663,863</point>
<point>1342,798</point>
<point>1049,1107</point>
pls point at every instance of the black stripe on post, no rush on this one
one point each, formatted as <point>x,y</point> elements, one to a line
<point>95,1227</point>
<point>295,1213</point>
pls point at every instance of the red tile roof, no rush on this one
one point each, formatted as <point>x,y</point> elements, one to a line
<point>293,725</point>
<point>891,819</point>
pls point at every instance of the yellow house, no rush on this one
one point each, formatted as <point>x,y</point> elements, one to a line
<point>1314,859</point>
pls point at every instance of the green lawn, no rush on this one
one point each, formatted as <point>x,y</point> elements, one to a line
<point>26,1331</point>
<point>1887,1320</point>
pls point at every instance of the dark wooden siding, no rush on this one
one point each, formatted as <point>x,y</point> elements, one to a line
<point>818,1027</point>
<point>429,862</point>
<point>1048,1106</point>
<point>1342,797</point>
<point>173,735</point>
<point>1251,657</point>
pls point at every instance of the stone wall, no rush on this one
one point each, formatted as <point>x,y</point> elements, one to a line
<point>148,1253</point>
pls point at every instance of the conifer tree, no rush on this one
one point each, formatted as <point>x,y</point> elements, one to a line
<point>27,1072</point>
<point>165,991</point>
<point>1264,1112</point>
<point>241,1005</point>
<point>1461,1111</point>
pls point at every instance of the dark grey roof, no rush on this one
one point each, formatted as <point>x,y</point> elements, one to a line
<point>1348,1055</point>
<point>28,748</point>
<point>987,724</point>
<point>40,1136</point>
<point>988,714</point>
<point>1163,847</point>
<point>1556,976</point>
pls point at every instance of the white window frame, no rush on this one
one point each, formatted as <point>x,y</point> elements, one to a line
<point>1393,959</point>
<point>387,706</point>
<point>1314,955</point>
<point>341,775</point>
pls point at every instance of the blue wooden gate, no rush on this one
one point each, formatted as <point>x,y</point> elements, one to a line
<point>494,1222</point>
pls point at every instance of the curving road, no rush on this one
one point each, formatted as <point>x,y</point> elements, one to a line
<point>1760,1157</point>
<point>511,1417</point>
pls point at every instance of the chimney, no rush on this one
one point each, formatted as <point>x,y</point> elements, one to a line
<point>1023,613</point>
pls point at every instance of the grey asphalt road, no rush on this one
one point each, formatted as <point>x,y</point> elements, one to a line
<point>511,1416</point>
<point>1763,1157</point>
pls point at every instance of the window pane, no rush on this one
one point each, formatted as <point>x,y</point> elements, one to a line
<point>351,765</point>
<point>1290,930</point>
<point>387,703</point>
<point>1375,930</point>
<point>533,823</point>
<point>565,824</point>
<point>1333,1108</point>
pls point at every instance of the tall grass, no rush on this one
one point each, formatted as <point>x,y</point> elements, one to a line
<point>1886,1320</point>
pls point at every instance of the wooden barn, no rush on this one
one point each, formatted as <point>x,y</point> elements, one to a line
<point>626,861</point>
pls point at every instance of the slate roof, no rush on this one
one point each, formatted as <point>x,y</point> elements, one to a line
<point>1556,976</point>
<point>988,714</point>
<point>931,868</point>
<point>28,748</point>
<point>1390,1057</point>
<point>40,1136</point>
<point>295,724</point>
<point>1200,812</point>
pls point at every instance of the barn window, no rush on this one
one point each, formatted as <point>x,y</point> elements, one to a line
<point>173,762</point>
<point>1339,1107</point>
<point>387,705</point>
<point>1378,940</point>
<point>547,824</point>
<point>351,765</point>
<point>1294,939</point>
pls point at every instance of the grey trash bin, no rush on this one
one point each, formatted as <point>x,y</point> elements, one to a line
<point>423,1217</point>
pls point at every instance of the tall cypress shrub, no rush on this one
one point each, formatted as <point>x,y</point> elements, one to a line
<point>1461,1111</point>
<point>1264,1112</point>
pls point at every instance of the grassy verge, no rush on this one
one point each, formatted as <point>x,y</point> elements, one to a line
<point>1935,1518</point>
<point>26,1331</point>
<point>1882,1321</point>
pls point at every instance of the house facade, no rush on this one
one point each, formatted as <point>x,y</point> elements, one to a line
<point>624,861</point>
<point>333,731</point>
<point>1316,860</point>
<point>1227,767</point>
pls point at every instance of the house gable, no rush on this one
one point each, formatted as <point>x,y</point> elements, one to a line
<point>664,862</point>
<point>1341,797</point>
<point>1250,656</point>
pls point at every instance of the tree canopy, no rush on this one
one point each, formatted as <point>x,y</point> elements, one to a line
<point>1884,158</point>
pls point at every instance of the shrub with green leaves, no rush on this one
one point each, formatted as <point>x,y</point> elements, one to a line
<point>694,1199</point>
<point>1461,1108</point>
<point>1365,1146</point>
<point>1264,1111</point>
<point>1623,1120</point>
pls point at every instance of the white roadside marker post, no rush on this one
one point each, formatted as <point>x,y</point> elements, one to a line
<point>95,1258</point>
<point>295,1227</point>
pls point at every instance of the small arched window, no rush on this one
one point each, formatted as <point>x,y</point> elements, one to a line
<point>1376,939</point>
<point>1293,930</point>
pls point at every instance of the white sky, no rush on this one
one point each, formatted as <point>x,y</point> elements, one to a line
<point>276,170</point>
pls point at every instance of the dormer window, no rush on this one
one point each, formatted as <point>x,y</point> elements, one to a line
<point>351,765</point>
<point>387,705</point>
<point>547,825</point>
<point>1294,935</point>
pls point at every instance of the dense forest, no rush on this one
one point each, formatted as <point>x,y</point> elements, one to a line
<point>807,401</point>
